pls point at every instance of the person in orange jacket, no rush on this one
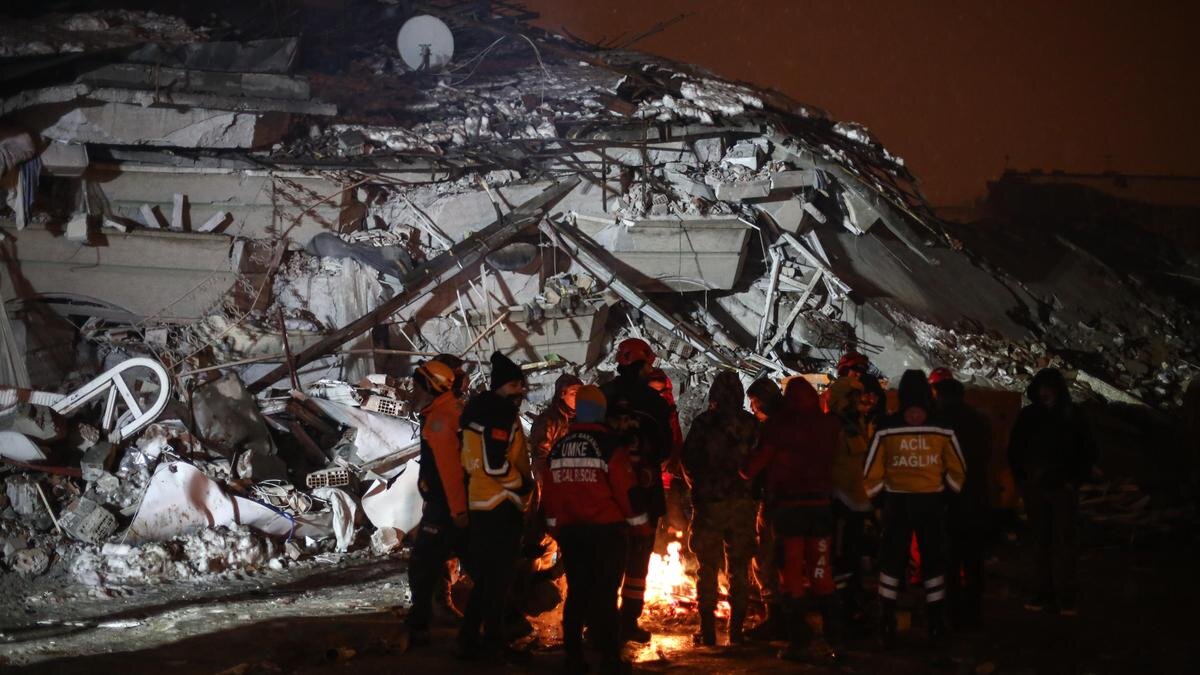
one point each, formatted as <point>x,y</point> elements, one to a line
<point>442,532</point>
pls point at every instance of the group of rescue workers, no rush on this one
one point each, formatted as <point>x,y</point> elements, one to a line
<point>781,495</point>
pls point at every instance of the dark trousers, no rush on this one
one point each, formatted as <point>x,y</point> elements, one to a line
<point>903,515</point>
<point>637,565</point>
<point>848,534</point>
<point>436,542</point>
<point>964,582</point>
<point>1053,520</point>
<point>494,546</point>
<point>594,558</point>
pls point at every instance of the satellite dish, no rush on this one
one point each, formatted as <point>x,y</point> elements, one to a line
<point>425,43</point>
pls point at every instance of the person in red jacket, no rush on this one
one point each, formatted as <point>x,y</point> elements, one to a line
<point>591,501</point>
<point>795,459</point>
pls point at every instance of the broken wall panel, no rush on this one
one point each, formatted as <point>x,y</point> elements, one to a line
<point>675,253</point>
<point>172,275</point>
<point>259,203</point>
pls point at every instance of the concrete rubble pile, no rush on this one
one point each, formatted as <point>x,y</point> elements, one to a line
<point>274,238</point>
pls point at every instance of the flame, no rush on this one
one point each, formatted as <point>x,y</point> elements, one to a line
<point>671,589</point>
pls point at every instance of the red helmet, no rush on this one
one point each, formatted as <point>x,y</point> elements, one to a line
<point>940,375</point>
<point>852,361</point>
<point>633,350</point>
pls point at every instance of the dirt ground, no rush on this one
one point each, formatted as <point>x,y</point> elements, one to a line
<point>1137,615</point>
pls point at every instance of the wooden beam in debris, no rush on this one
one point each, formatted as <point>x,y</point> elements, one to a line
<point>424,278</point>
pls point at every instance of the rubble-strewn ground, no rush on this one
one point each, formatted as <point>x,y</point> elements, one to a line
<point>1136,614</point>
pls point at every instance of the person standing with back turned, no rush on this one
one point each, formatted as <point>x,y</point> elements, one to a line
<point>1051,451</point>
<point>642,417</point>
<point>911,461</point>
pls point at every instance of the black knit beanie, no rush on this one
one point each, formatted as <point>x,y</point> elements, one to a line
<point>504,371</point>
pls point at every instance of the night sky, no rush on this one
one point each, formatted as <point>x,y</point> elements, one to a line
<point>960,89</point>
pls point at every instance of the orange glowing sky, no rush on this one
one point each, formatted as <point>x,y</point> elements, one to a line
<point>955,87</point>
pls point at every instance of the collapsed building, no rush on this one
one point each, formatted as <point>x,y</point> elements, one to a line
<point>224,253</point>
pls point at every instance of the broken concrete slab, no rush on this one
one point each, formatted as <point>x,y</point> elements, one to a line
<point>182,127</point>
<point>675,253</point>
<point>250,56</point>
<point>227,418</point>
<point>751,189</point>
<point>172,275</point>
<point>240,84</point>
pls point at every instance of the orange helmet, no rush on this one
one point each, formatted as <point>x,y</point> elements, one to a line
<point>633,350</point>
<point>435,376</point>
<point>852,360</point>
<point>940,375</point>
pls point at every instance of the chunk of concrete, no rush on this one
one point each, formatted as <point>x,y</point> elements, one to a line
<point>733,192</point>
<point>744,153</point>
<point>77,228</point>
<point>276,55</point>
<point>88,521</point>
<point>227,417</point>
<point>385,540</point>
<point>97,460</point>
<point>709,149</point>
<point>794,179</point>
<point>31,562</point>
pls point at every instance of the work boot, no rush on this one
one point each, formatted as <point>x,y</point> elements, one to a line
<point>630,630</point>
<point>772,627</point>
<point>887,627</point>
<point>737,620</point>
<point>799,634</point>
<point>935,614</point>
<point>832,626</point>
<point>707,636</point>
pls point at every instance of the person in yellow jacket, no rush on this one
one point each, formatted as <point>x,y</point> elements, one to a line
<point>495,457</point>
<point>912,459</point>
<point>860,405</point>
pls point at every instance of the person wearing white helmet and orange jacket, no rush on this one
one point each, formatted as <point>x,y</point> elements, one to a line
<point>643,419</point>
<point>442,532</point>
<point>913,458</point>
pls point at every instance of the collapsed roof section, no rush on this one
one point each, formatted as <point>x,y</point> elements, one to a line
<point>212,189</point>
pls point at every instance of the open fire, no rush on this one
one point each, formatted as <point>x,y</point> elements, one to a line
<point>671,587</point>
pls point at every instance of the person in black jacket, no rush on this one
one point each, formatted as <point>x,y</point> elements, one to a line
<point>643,420</point>
<point>1051,451</point>
<point>969,512</point>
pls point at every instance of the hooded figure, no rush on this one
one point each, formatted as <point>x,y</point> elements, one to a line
<point>795,459</point>
<point>968,514</point>
<point>551,425</point>
<point>912,460</point>
<point>718,443</point>
<point>1051,451</point>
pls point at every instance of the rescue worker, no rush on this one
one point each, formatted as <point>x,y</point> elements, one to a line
<point>765,401</point>
<point>912,459</point>
<point>795,459</point>
<point>642,417</point>
<point>591,500</point>
<point>1051,451</point>
<point>858,407</point>
<point>551,425</point>
<point>851,368</point>
<point>496,461</point>
<point>717,445</point>
<point>442,532</point>
<point>659,381</point>
<point>969,514</point>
